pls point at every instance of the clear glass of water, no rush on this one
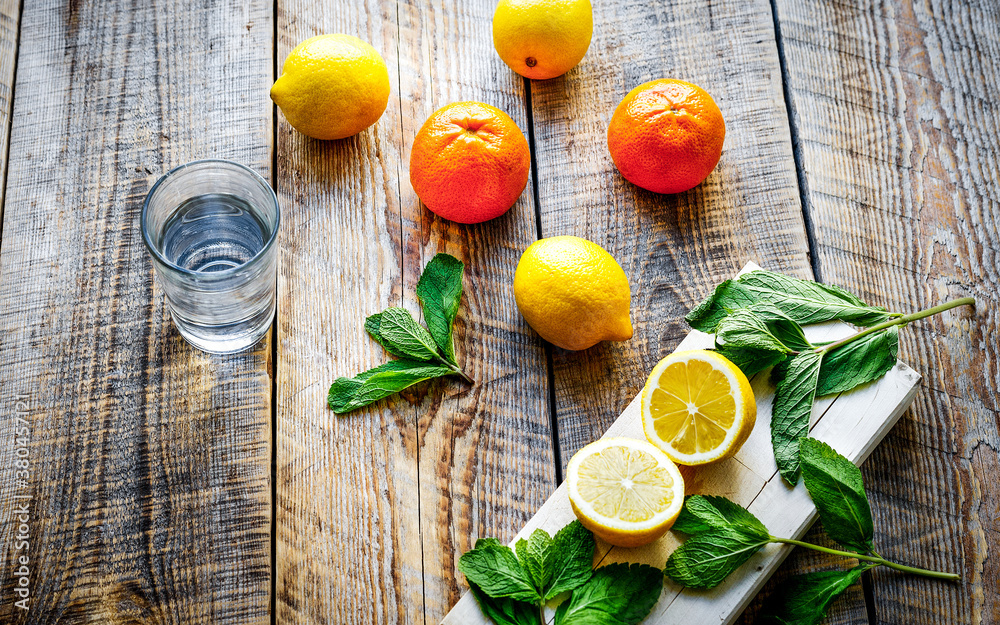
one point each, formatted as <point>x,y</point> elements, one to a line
<point>210,227</point>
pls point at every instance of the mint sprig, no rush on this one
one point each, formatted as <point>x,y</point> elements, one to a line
<point>513,586</point>
<point>804,301</point>
<point>424,353</point>
<point>757,320</point>
<point>725,535</point>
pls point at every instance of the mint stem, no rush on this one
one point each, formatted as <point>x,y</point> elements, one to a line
<point>898,321</point>
<point>455,370</point>
<point>875,559</point>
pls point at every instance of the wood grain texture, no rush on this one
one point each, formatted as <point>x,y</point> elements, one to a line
<point>148,460</point>
<point>347,520</point>
<point>486,460</point>
<point>897,116</point>
<point>853,423</point>
<point>10,15</point>
<point>375,508</point>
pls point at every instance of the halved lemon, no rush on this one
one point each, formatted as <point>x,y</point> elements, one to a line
<point>697,407</point>
<point>625,491</point>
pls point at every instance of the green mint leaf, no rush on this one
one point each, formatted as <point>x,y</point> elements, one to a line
<point>617,594</point>
<point>793,402</point>
<point>373,326</point>
<point>706,559</point>
<point>804,599</point>
<point>704,512</point>
<point>494,568</point>
<point>752,361</point>
<point>858,362</point>
<point>537,555</point>
<point>440,291</point>
<point>573,561</point>
<point>727,298</point>
<point>835,485</point>
<point>396,330</point>
<point>505,611</point>
<point>347,394</point>
<point>809,302</point>
<point>760,327</point>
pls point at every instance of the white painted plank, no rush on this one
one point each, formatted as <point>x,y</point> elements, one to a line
<point>853,423</point>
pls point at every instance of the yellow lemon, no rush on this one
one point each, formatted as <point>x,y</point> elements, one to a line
<point>332,87</point>
<point>573,293</point>
<point>697,407</point>
<point>542,39</point>
<point>625,491</point>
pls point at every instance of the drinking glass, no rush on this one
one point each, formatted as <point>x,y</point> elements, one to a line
<point>210,227</point>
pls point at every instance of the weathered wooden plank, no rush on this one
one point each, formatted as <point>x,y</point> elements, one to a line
<point>485,452</point>
<point>853,423</point>
<point>347,524</point>
<point>896,110</point>
<point>394,494</point>
<point>148,461</point>
<point>10,15</point>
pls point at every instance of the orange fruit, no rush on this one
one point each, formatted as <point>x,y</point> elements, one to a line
<point>666,135</point>
<point>469,162</point>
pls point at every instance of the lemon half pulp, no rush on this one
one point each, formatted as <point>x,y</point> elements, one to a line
<point>697,407</point>
<point>625,491</point>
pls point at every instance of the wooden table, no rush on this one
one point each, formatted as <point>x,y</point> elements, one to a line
<point>168,486</point>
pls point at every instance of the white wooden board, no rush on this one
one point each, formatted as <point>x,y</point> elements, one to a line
<point>853,423</point>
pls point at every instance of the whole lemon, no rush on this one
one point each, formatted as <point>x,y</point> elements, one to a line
<point>332,87</point>
<point>542,39</point>
<point>573,293</point>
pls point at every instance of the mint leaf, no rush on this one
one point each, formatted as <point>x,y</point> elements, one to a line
<point>347,394</point>
<point>494,568</point>
<point>573,561</point>
<point>397,331</point>
<point>793,402</point>
<point>505,611</point>
<point>804,599</point>
<point>704,512</point>
<point>727,297</point>
<point>809,302</point>
<point>760,327</point>
<point>835,485</point>
<point>751,361</point>
<point>373,325</point>
<point>440,291</point>
<point>706,559</point>
<point>617,594</point>
<point>858,362</point>
<point>803,301</point>
<point>537,555</point>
